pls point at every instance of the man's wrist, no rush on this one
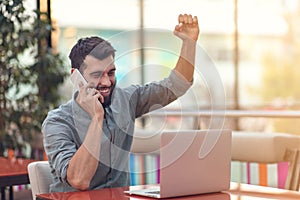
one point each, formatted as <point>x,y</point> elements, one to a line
<point>98,118</point>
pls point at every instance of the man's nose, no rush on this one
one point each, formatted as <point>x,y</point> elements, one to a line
<point>104,80</point>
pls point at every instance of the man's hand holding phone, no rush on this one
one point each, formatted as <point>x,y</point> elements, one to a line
<point>88,97</point>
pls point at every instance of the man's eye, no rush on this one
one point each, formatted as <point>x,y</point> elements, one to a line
<point>111,73</point>
<point>97,75</point>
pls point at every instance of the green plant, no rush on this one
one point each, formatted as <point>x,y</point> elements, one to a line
<point>30,73</point>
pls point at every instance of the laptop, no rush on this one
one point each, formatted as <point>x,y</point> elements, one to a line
<point>192,162</point>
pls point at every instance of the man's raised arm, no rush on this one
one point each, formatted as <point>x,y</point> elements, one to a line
<point>188,31</point>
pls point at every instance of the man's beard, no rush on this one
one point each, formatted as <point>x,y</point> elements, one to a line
<point>107,100</point>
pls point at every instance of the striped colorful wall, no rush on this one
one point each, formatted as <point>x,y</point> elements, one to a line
<point>145,170</point>
<point>273,175</point>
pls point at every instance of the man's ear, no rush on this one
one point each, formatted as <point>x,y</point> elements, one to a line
<point>72,70</point>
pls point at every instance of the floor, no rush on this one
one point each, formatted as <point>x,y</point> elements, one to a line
<point>21,195</point>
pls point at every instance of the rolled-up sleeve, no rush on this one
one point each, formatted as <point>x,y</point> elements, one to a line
<point>177,83</point>
<point>59,146</point>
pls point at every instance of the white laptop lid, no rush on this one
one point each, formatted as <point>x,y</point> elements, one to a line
<point>193,162</point>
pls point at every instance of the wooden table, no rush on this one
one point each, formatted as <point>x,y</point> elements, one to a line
<point>237,192</point>
<point>13,172</point>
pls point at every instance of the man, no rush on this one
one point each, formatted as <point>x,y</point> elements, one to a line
<point>88,139</point>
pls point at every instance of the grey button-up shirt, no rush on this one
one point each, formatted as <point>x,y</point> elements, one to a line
<point>65,128</point>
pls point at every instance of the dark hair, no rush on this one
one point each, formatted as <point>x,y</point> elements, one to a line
<point>94,46</point>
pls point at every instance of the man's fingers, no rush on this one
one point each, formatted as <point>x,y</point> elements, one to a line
<point>190,19</point>
<point>101,98</point>
<point>178,27</point>
<point>195,20</point>
<point>187,19</point>
<point>96,94</point>
<point>180,19</point>
<point>90,91</point>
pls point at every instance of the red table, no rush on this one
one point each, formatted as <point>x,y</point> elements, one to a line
<point>13,172</point>
<point>237,192</point>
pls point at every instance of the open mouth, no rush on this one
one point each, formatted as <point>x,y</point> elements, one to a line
<point>105,91</point>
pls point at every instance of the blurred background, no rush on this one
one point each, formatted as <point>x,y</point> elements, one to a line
<point>251,48</point>
<point>254,46</point>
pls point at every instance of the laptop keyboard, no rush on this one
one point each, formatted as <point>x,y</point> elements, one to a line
<point>153,192</point>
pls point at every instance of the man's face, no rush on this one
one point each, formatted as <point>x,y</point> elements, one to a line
<point>101,75</point>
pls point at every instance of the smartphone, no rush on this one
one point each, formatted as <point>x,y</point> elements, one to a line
<point>76,77</point>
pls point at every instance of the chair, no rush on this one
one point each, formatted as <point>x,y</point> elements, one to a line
<point>40,177</point>
<point>268,148</point>
<point>145,142</point>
